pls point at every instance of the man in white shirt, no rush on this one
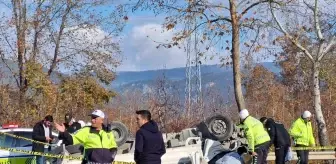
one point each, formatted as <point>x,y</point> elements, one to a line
<point>42,133</point>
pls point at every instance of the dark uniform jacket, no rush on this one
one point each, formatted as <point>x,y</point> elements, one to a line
<point>71,129</point>
<point>149,145</point>
<point>278,133</point>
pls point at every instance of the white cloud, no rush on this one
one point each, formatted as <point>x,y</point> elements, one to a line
<point>77,42</point>
<point>140,52</point>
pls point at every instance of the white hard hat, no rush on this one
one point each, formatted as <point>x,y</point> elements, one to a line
<point>81,122</point>
<point>97,113</point>
<point>306,114</point>
<point>243,114</point>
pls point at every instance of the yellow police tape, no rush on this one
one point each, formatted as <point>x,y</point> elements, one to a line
<point>28,139</point>
<point>80,158</point>
<point>315,148</point>
<point>52,155</point>
<point>40,154</point>
<point>45,154</point>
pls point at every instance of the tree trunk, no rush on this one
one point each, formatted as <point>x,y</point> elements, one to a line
<point>322,128</point>
<point>19,10</point>
<point>59,37</point>
<point>236,56</point>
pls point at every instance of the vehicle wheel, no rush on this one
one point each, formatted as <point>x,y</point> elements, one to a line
<point>220,126</point>
<point>120,132</point>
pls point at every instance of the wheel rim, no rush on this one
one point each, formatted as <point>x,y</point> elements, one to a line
<point>218,127</point>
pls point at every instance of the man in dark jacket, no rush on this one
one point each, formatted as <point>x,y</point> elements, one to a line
<point>42,132</point>
<point>279,137</point>
<point>149,145</point>
<point>70,126</point>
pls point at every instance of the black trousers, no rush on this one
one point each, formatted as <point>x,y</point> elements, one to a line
<point>280,154</point>
<point>302,155</point>
<point>262,151</point>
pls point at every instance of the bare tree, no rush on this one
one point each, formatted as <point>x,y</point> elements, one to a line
<point>215,102</point>
<point>56,33</point>
<point>164,100</point>
<point>321,38</point>
<point>214,21</point>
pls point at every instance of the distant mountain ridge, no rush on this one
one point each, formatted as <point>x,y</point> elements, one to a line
<point>211,75</point>
<point>7,70</point>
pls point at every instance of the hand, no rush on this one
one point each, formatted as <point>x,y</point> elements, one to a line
<point>254,154</point>
<point>49,139</point>
<point>60,128</point>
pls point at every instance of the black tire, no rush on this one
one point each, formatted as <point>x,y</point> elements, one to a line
<point>120,132</point>
<point>226,124</point>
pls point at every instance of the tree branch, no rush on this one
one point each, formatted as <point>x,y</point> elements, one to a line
<point>251,6</point>
<point>60,33</point>
<point>317,22</point>
<point>9,68</point>
<point>309,6</point>
<point>255,41</point>
<point>305,51</point>
<point>219,19</point>
<point>209,21</point>
<point>320,50</point>
<point>36,31</point>
<point>7,41</point>
<point>331,44</point>
<point>51,18</point>
<point>213,6</point>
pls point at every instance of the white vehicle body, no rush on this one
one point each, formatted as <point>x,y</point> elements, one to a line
<point>180,155</point>
<point>190,154</point>
<point>11,142</point>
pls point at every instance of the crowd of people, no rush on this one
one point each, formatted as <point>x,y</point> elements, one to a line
<point>262,134</point>
<point>100,145</point>
<point>98,140</point>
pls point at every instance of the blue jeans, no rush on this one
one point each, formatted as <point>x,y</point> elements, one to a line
<point>40,159</point>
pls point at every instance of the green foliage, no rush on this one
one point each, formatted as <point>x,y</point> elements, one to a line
<point>53,33</point>
<point>38,81</point>
<point>76,93</point>
<point>85,91</point>
<point>328,70</point>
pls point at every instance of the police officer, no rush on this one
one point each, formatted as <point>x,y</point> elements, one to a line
<point>257,137</point>
<point>279,137</point>
<point>99,143</point>
<point>302,133</point>
<point>70,124</point>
